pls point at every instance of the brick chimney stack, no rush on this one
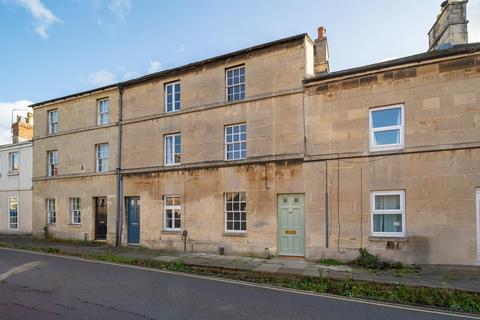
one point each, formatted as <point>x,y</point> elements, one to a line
<point>451,26</point>
<point>22,129</point>
<point>321,52</point>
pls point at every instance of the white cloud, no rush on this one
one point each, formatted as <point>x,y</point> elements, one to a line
<point>120,7</point>
<point>44,18</point>
<point>19,108</point>
<point>102,77</point>
<point>154,66</point>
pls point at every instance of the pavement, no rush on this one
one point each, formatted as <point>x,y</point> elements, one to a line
<point>466,278</point>
<point>39,286</point>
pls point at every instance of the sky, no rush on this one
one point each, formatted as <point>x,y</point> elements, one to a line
<point>51,48</point>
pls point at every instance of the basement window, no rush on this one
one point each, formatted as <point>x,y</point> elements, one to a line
<point>13,213</point>
<point>51,212</point>
<point>235,212</point>
<point>52,121</point>
<point>388,213</point>
<point>75,210</point>
<point>236,142</point>
<point>13,162</point>
<point>172,96</point>
<point>235,83</point>
<point>386,128</point>
<point>102,157</point>
<point>172,215</point>
<point>173,149</point>
<point>102,112</point>
<point>52,163</point>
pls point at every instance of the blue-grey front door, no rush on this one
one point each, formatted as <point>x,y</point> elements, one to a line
<point>133,220</point>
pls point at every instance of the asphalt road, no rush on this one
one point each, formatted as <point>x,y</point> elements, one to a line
<point>35,286</point>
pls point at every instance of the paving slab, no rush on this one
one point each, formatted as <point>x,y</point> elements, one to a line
<point>166,258</point>
<point>269,267</point>
<point>311,272</point>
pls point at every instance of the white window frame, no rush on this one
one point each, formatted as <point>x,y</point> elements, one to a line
<point>400,127</point>
<point>101,115</point>
<point>235,142</point>
<point>75,210</point>
<point>10,215</point>
<point>225,213</point>
<point>10,162</point>
<point>173,208</point>
<point>103,161</point>
<point>172,84</point>
<point>51,214</point>
<point>385,212</point>
<point>52,167</point>
<point>234,85</point>
<point>52,125</point>
<point>173,136</point>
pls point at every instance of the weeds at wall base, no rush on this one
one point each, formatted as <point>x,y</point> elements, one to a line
<point>412,295</point>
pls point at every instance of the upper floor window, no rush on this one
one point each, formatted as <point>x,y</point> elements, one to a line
<point>386,128</point>
<point>172,213</point>
<point>102,112</point>
<point>13,162</point>
<point>173,149</point>
<point>172,96</point>
<point>52,163</point>
<point>102,157</point>
<point>236,142</point>
<point>52,121</point>
<point>235,212</point>
<point>388,213</point>
<point>235,82</point>
<point>13,213</point>
<point>75,211</point>
<point>51,211</point>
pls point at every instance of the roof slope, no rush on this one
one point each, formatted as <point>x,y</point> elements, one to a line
<point>456,50</point>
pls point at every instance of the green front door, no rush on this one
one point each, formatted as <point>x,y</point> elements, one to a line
<point>291,225</point>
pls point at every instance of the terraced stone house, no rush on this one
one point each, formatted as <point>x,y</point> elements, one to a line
<point>265,151</point>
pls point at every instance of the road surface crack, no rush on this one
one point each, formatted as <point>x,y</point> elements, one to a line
<point>115,309</point>
<point>31,308</point>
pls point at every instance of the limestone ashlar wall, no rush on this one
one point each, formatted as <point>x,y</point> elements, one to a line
<point>85,188</point>
<point>274,127</point>
<point>442,102</point>
<point>77,113</point>
<point>76,152</point>
<point>274,70</point>
<point>202,206</point>
<point>439,168</point>
<point>439,206</point>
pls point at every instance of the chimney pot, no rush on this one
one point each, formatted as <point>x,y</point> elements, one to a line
<point>322,32</point>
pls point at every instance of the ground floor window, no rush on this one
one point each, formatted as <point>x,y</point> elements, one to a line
<point>235,212</point>
<point>172,214</point>
<point>388,213</point>
<point>51,213</point>
<point>13,213</point>
<point>75,210</point>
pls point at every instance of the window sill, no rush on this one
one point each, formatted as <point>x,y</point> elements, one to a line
<point>171,232</point>
<point>388,238</point>
<point>13,173</point>
<point>385,149</point>
<point>235,234</point>
<point>75,225</point>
